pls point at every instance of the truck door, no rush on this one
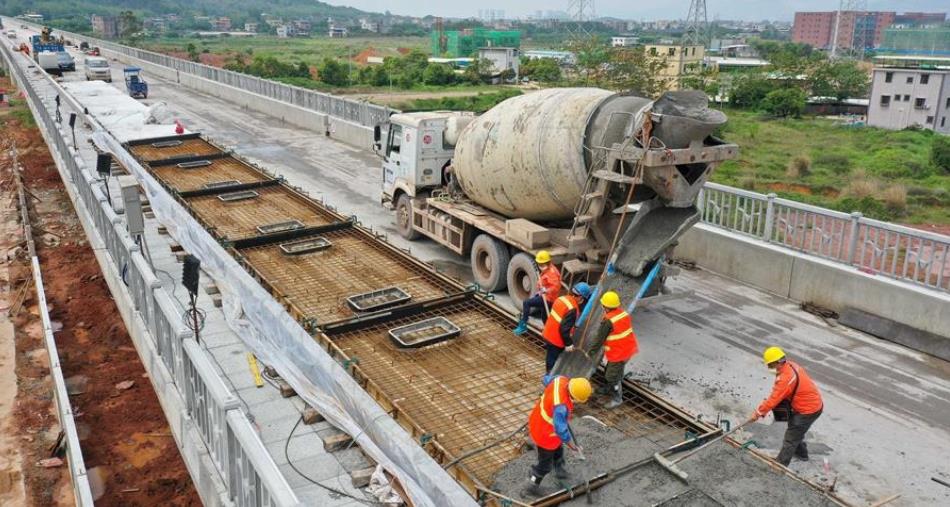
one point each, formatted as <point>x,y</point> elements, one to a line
<point>397,163</point>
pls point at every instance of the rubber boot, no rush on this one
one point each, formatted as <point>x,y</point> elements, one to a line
<point>802,452</point>
<point>561,471</point>
<point>617,398</point>
<point>532,489</point>
<point>522,327</point>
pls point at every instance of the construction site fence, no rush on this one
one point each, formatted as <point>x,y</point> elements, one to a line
<point>250,476</point>
<point>360,112</point>
<point>872,246</point>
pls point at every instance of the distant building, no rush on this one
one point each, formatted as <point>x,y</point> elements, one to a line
<point>222,24</point>
<point>370,25</point>
<point>106,27</point>
<point>932,41</point>
<point>336,32</point>
<point>680,60</point>
<point>562,57</point>
<point>818,28</point>
<point>501,58</point>
<point>910,91</point>
<point>726,64</point>
<point>919,19</point>
<point>285,31</point>
<point>250,27</point>
<point>36,18</point>
<point>624,41</point>
<point>464,43</point>
<point>302,27</point>
<point>158,25</point>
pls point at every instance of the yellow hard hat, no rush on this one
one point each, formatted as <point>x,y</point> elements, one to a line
<point>773,354</point>
<point>543,257</point>
<point>610,299</point>
<point>580,389</point>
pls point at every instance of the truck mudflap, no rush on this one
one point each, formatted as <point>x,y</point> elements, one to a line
<point>653,230</point>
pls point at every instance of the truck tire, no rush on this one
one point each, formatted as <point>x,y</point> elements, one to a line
<point>489,259</point>
<point>522,278</point>
<point>404,218</point>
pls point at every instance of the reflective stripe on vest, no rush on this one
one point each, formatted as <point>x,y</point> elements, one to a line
<point>557,401</point>
<point>622,334</point>
<point>569,305</point>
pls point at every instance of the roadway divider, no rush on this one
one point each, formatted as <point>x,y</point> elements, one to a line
<point>223,453</point>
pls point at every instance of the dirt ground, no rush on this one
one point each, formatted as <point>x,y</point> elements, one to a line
<point>127,446</point>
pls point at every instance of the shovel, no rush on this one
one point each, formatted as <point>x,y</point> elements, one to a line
<point>671,465</point>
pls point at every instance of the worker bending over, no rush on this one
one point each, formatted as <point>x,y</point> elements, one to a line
<point>549,286</point>
<point>795,398</point>
<point>620,344</point>
<point>559,328</point>
<point>549,429</point>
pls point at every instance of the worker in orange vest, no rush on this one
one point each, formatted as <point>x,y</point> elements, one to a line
<point>620,344</point>
<point>549,427</point>
<point>549,286</point>
<point>795,398</point>
<point>559,329</point>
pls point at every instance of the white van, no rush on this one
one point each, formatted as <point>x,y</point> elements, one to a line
<point>97,68</point>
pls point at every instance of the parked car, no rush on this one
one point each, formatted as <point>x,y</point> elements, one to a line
<point>11,34</point>
<point>97,68</point>
<point>66,61</point>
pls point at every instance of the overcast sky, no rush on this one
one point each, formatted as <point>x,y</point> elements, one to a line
<point>633,9</point>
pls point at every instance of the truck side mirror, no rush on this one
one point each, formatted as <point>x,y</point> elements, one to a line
<point>377,134</point>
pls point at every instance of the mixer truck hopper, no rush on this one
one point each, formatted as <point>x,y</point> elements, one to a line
<point>579,172</point>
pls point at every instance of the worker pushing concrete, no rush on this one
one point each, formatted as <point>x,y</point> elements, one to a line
<point>795,398</point>
<point>559,328</point>
<point>620,344</point>
<point>549,286</point>
<point>549,427</point>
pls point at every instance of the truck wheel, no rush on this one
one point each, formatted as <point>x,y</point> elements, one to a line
<point>404,218</point>
<point>489,260</point>
<point>522,278</point>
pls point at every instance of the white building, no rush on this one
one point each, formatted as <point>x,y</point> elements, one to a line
<point>501,58</point>
<point>909,91</point>
<point>624,41</point>
<point>285,31</point>
<point>337,31</point>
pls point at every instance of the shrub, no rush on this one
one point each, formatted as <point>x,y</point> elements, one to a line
<point>784,102</point>
<point>438,74</point>
<point>868,206</point>
<point>332,72</point>
<point>747,181</point>
<point>861,186</point>
<point>940,152</point>
<point>799,166</point>
<point>895,198</point>
<point>749,91</point>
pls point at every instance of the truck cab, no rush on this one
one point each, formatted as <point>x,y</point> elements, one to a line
<point>416,151</point>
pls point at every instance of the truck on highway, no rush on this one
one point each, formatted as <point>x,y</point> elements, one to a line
<point>46,42</point>
<point>574,171</point>
<point>49,61</point>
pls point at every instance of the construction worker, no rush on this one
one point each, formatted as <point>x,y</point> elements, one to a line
<point>620,344</point>
<point>794,394</point>
<point>559,328</point>
<point>549,285</point>
<point>549,427</point>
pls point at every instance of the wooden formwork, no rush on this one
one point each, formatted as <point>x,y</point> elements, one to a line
<point>161,148</point>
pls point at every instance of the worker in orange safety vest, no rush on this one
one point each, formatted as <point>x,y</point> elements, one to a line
<point>548,426</point>
<point>559,329</point>
<point>548,288</point>
<point>795,398</point>
<point>620,344</point>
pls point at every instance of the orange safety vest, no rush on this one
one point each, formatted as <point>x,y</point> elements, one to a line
<point>621,343</point>
<point>806,399</point>
<point>550,279</point>
<point>559,310</point>
<point>541,420</point>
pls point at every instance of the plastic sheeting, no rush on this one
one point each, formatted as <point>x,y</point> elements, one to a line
<point>278,340</point>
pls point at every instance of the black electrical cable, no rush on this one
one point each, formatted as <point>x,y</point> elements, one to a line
<point>324,486</point>
<point>485,447</point>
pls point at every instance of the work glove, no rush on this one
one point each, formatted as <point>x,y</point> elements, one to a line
<point>569,348</point>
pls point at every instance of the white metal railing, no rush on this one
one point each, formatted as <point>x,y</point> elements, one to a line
<point>360,112</point>
<point>873,246</point>
<point>249,474</point>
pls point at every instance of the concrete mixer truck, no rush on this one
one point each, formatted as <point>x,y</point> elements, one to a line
<point>581,172</point>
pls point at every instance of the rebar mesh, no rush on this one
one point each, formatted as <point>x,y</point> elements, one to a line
<point>188,147</point>
<point>221,169</point>
<point>240,219</point>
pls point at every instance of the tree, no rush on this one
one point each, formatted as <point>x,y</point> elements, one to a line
<point>332,73</point>
<point>841,79</point>
<point>479,71</point>
<point>438,74</point>
<point>940,152</point>
<point>633,70</point>
<point>545,70</point>
<point>748,91</point>
<point>128,24</point>
<point>192,52</point>
<point>784,102</point>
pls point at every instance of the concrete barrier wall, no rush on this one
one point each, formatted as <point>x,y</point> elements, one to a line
<point>806,278</point>
<point>336,128</point>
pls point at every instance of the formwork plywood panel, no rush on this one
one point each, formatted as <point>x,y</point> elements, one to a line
<point>318,283</point>
<point>161,150</point>
<point>240,219</point>
<point>222,169</point>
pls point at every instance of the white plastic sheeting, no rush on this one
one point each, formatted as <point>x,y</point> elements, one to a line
<point>126,118</point>
<point>278,340</point>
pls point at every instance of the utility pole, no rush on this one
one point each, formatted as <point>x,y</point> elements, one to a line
<point>581,12</point>
<point>697,25</point>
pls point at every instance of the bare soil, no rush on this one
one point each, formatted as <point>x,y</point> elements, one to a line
<point>124,435</point>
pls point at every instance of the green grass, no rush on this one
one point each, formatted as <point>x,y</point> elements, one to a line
<point>478,103</point>
<point>310,50</point>
<point>21,114</point>
<point>839,155</point>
